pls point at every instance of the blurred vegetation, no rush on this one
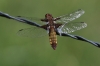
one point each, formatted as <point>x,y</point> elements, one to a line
<point>22,51</point>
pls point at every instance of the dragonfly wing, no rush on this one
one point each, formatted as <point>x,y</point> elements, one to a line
<point>71,27</point>
<point>32,32</point>
<point>70,17</point>
<point>34,19</point>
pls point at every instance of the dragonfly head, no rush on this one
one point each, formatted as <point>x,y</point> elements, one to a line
<point>48,16</point>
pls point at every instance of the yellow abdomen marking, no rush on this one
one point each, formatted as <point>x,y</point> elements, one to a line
<point>53,37</point>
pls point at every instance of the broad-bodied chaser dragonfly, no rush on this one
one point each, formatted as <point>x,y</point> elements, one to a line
<point>61,25</point>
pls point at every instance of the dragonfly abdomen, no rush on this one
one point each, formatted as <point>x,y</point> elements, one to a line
<point>53,38</point>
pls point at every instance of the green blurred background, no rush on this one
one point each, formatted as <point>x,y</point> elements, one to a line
<point>22,51</point>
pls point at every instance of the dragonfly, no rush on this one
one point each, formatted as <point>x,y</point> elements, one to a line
<point>61,26</point>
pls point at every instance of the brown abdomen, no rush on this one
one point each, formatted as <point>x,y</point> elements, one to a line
<point>53,38</point>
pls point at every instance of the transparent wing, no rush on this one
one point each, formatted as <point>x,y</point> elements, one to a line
<point>70,17</point>
<point>71,27</point>
<point>32,32</point>
<point>34,19</point>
